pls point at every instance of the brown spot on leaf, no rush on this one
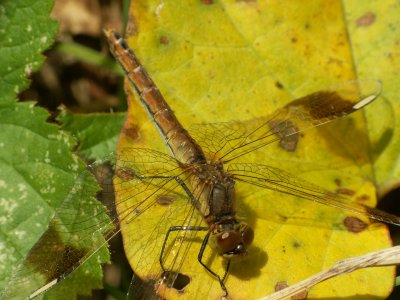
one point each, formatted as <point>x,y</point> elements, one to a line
<point>300,296</point>
<point>338,182</point>
<point>354,224</point>
<point>164,200</point>
<point>289,143</point>
<point>132,132</point>
<point>345,191</point>
<point>125,173</point>
<point>362,198</point>
<point>366,20</point>
<point>164,40</point>
<point>278,85</point>
<point>293,40</point>
<point>297,244</point>
<point>280,285</point>
<point>286,132</point>
<point>207,2</point>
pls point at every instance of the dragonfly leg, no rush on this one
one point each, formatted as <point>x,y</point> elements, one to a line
<point>200,257</point>
<point>192,228</point>
<point>177,228</point>
<point>169,277</point>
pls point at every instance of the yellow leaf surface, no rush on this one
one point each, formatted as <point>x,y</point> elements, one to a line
<point>374,29</point>
<point>233,60</point>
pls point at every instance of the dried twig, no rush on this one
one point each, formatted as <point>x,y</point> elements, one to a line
<point>386,257</point>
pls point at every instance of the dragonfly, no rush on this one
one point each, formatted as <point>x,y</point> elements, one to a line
<point>198,180</point>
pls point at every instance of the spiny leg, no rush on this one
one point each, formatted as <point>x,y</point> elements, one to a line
<point>200,257</point>
<point>190,228</point>
<point>177,228</point>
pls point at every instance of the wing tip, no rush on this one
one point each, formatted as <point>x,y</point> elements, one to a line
<point>365,101</point>
<point>371,89</point>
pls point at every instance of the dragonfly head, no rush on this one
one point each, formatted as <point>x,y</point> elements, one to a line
<point>232,238</point>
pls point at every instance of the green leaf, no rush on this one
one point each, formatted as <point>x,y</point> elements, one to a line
<point>25,31</point>
<point>374,28</point>
<point>88,55</point>
<point>98,133</point>
<point>39,174</point>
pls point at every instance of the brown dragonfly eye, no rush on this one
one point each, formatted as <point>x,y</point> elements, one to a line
<point>228,241</point>
<point>247,235</point>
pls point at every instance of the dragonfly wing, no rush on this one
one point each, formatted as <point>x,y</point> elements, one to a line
<point>151,198</point>
<point>278,180</point>
<point>144,239</point>
<point>228,141</point>
<point>217,139</point>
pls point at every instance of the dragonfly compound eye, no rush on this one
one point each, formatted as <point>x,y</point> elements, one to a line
<point>247,234</point>
<point>228,241</point>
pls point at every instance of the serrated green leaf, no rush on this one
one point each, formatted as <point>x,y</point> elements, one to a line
<point>38,171</point>
<point>38,174</point>
<point>97,133</point>
<point>26,30</point>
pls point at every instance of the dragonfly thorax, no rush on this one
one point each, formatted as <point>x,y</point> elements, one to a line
<point>216,203</point>
<point>215,198</point>
<point>212,173</point>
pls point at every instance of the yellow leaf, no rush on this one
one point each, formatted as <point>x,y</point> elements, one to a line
<point>233,60</point>
<point>374,29</point>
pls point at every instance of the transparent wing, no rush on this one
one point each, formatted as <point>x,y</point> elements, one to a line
<point>230,140</point>
<point>152,196</point>
<point>82,226</point>
<point>278,180</point>
<point>164,203</point>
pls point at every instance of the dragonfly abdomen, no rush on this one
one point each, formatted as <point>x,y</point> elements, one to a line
<point>180,143</point>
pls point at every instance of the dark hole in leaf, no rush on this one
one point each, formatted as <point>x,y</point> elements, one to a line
<point>175,280</point>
